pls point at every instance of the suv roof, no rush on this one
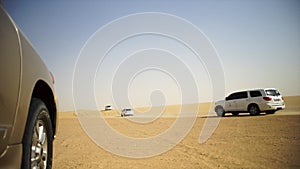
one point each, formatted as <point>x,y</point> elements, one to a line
<point>243,90</point>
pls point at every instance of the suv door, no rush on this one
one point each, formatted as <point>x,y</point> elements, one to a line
<point>242,101</point>
<point>255,97</point>
<point>230,103</point>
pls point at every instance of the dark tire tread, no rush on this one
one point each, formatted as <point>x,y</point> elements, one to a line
<point>37,111</point>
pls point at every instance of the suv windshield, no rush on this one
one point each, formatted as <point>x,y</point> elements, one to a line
<point>272,92</point>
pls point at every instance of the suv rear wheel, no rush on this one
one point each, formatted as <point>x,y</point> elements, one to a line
<point>253,110</point>
<point>38,137</point>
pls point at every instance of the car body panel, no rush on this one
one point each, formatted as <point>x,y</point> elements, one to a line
<point>12,158</point>
<point>230,105</point>
<point>30,76</point>
<point>9,75</point>
<point>241,103</point>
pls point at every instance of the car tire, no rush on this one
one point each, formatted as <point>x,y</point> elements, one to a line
<point>38,137</point>
<point>220,111</point>
<point>253,110</point>
<point>235,113</point>
<point>270,112</point>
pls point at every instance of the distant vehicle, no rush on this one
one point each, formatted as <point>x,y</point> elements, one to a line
<point>253,101</point>
<point>127,112</point>
<point>108,107</point>
<point>27,102</point>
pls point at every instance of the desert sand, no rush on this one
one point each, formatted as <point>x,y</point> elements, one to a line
<point>265,141</point>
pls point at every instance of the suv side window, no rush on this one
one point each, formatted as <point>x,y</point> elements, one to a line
<point>231,97</point>
<point>255,93</point>
<point>238,95</point>
<point>242,95</point>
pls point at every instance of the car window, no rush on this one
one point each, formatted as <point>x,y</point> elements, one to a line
<point>242,95</point>
<point>255,93</point>
<point>238,95</point>
<point>231,96</point>
<point>272,93</point>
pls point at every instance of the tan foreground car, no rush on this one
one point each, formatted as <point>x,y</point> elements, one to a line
<point>27,102</point>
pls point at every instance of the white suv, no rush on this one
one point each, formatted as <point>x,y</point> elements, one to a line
<point>127,112</point>
<point>253,101</point>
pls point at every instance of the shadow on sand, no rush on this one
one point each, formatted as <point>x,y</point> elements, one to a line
<point>231,116</point>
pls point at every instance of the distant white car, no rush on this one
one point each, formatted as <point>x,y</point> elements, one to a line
<point>127,112</point>
<point>253,101</point>
<point>108,107</point>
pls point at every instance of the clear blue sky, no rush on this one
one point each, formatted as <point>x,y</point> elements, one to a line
<point>258,41</point>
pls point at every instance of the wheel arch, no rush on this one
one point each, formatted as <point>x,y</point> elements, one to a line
<point>44,92</point>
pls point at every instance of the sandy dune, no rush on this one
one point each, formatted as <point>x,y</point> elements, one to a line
<point>265,141</point>
<point>167,111</point>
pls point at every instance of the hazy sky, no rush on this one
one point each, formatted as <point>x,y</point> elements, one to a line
<point>258,43</point>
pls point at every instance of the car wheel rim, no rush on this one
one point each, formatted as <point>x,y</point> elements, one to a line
<point>253,110</point>
<point>39,146</point>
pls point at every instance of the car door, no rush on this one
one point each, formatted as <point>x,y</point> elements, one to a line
<point>230,104</point>
<point>255,97</point>
<point>10,69</point>
<point>241,101</point>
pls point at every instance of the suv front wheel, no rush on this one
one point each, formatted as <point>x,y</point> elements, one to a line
<point>38,137</point>
<point>220,111</point>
